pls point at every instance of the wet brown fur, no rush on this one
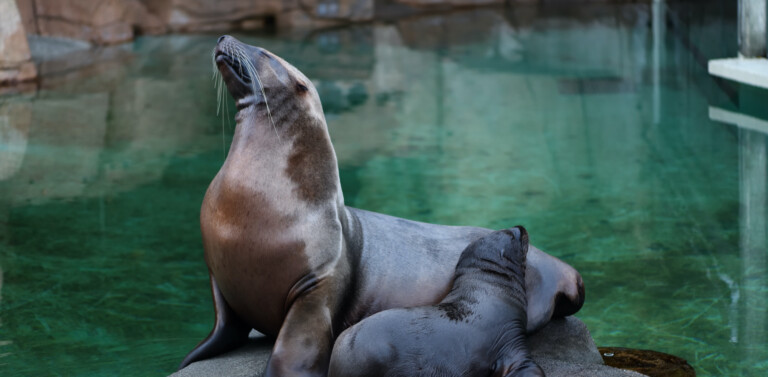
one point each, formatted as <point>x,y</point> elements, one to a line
<point>310,162</point>
<point>254,257</point>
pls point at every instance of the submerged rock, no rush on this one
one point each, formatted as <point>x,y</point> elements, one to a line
<point>564,348</point>
<point>650,363</point>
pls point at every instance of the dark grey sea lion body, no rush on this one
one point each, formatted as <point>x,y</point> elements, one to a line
<point>289,259</point>
<point>405,263</point>
<point>477,330</point>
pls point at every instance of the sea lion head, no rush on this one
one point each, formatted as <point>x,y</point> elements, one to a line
<point>498,257</point>
<point>500,247</point>
<point>265,83</point>
<point>281,117</point>
<point>552,289</point>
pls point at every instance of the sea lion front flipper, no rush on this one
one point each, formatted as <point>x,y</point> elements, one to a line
<point>530,369</point>
<point>516,364</point>
<point>229,331</point>
<point>303,346</point>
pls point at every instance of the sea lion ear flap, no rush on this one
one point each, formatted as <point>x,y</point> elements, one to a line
<point>514,235</point>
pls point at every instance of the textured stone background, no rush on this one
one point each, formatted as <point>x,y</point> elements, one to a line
<point>104,22</point>
<point>114,21</point>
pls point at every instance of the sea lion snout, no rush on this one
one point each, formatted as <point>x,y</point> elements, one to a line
<point>513,232</point>
<point>517,233</point>
<point>249,69</point>
<point>571,298</point>
<point>255,76</point>
<point>519,238</point>
<point>523,236</point>
<point>233,61</point>
<point>505,248</point>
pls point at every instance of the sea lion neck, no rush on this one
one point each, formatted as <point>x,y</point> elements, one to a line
<point>502,278</point>
<point>298,149</point>
<point>255,137</point>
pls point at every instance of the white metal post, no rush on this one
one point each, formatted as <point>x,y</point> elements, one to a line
<point>752,28</point>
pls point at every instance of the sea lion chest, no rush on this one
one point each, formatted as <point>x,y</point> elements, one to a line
<point>253,244</point>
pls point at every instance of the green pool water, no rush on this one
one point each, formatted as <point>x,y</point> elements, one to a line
<point>590,125</point>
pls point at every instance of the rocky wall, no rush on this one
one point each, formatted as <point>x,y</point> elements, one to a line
<point>103,22</point>
<point>458,3</point>
<point>114,21</point>
<point>15,60</point>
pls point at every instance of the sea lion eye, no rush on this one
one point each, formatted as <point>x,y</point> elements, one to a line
<point>301,87</point>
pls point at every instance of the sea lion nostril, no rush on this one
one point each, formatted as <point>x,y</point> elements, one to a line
<point>221,38</point>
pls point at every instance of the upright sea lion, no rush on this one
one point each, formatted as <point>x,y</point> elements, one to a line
<point>478,329</point>
<point>286,256</point>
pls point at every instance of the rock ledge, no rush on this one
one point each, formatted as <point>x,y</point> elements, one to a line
<point>564,348</point>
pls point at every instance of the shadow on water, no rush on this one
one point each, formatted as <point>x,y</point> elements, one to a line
<point>587,124</point>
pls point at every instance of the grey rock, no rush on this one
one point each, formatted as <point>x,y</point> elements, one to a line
<point>565,339</point>
<point>564,348</point>
<point>558,368</point>
<point>249,360</point>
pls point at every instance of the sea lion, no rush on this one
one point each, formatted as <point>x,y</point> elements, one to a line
<point>286,256</point>
<point>478,329</point>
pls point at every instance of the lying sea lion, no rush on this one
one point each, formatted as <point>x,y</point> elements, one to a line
<point>478,329</point>
<point>286,256</point>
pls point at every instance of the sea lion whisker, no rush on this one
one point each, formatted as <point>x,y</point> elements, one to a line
<point>254,73</point>
<point>226,111</point>
<point>220,88</point>
<point>240,58</point>
<point>213,63</point>
<point>222,92</point>
<point>221,98</point>
<point>220,104</point>
<point>218,84</point>
<point>223,137</point>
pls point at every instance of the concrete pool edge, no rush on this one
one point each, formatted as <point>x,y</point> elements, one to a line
<point>562,348</point>
<point>751,71</point>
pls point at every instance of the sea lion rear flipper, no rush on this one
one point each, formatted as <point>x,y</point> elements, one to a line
<point>229,331</point>
<point>528,369</point>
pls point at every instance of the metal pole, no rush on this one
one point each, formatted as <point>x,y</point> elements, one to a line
<point>659,22</point>
<point>752,28</point>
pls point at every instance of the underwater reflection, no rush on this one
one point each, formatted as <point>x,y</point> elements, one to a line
<point>15,119</point>
<point>749,297</point>
<point>754,245</point>
<point>4,343</point>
